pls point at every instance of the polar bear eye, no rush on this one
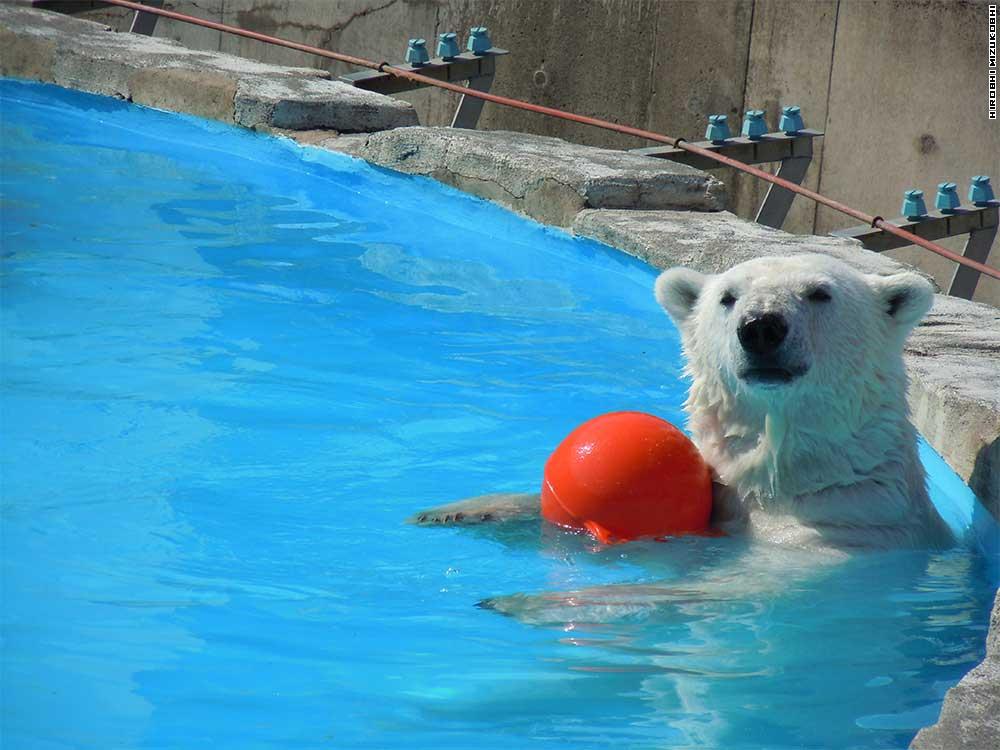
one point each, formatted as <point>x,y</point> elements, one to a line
<point>728,300</point>
<point>819,294</point>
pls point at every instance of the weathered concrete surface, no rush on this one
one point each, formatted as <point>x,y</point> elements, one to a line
<point>300,103</point>
<point>920,120</point>
<point>970,717</point>
<point>376,29</point>
<point>633,61</point>
<point>77,54</point>
<point>953,358</point>
<point>120,19</point>
<point>545,178</point>
<point>697,69</point>
<point>713,242</point>
<point>791,48</point>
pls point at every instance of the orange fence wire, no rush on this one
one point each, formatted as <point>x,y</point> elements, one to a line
<point>874,221</point>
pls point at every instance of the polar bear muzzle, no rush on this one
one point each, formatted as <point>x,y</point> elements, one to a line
<point>761,336</point>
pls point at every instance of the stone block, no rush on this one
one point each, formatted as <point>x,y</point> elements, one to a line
<point>546,178</point>
<point>161,73</point>
<point>31,57</point>
<point>711,243</point>
<point>953,359</point>
<point>301,103</point>
<point>200,93</point>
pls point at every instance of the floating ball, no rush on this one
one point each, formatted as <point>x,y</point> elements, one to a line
<point>626,475</point>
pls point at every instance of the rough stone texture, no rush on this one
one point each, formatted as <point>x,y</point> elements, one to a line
<point>203,93</point>
<point>546,178</point>
<point>311,104</point>
<point>970,717</point>
<point>953,359</point>
<point>31,57</point>
<point>77,54</point>
<point>713,242</point>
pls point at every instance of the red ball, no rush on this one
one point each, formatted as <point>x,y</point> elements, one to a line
<point>626,475</point>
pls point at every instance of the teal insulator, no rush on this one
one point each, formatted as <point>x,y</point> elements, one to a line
<point>416,52</point>
<point>754,125</point>
<point>913,205</point>
<point>718,129</point>
<point>980,190</point>
<point>479,40</point>
<point>447,48</point>
<point>791,120</point>
<point>946,200</point>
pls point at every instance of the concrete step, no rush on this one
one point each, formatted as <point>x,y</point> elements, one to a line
<point>50,47</point>
<point>546,178</point>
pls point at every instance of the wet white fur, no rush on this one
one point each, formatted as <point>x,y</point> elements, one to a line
<point>829,459</point>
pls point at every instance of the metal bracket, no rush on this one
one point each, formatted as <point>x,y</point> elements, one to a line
<point>145,23</point>
<point>795,153</point>
<point>469,108</point>
<point>979,222</point>
<point>778,200</point>
<point>977,248</point>
<point>478,70</point>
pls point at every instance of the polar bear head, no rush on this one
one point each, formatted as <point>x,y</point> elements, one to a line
<point>773,327</point>
<point>797,372</point>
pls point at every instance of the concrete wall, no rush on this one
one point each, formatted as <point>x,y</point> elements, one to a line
<point>899,86</point>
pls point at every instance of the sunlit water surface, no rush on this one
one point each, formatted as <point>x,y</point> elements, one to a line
<point>233,367</point>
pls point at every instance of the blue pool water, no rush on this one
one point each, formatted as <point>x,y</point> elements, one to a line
<point>233,367</point>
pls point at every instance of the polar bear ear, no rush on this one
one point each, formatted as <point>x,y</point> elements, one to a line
<point>905,297</point>
<point>677,290</point>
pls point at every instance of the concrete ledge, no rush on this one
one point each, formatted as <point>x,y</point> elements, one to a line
<point>545,178</point>
<point>711,243</point>
<point>953,359</point>
<point>76,54</point>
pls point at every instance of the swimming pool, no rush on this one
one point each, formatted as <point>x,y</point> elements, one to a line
<point>233,366</point>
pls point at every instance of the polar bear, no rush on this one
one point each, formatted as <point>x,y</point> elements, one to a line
<point>797,401</point>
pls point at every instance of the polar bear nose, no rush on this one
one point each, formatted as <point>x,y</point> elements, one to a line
<point>762,334</point>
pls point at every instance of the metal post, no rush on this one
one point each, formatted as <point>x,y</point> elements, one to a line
<point>778,200</point>
<point>963,282</point>
<point>469,108</point>
<point>144,23</point>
